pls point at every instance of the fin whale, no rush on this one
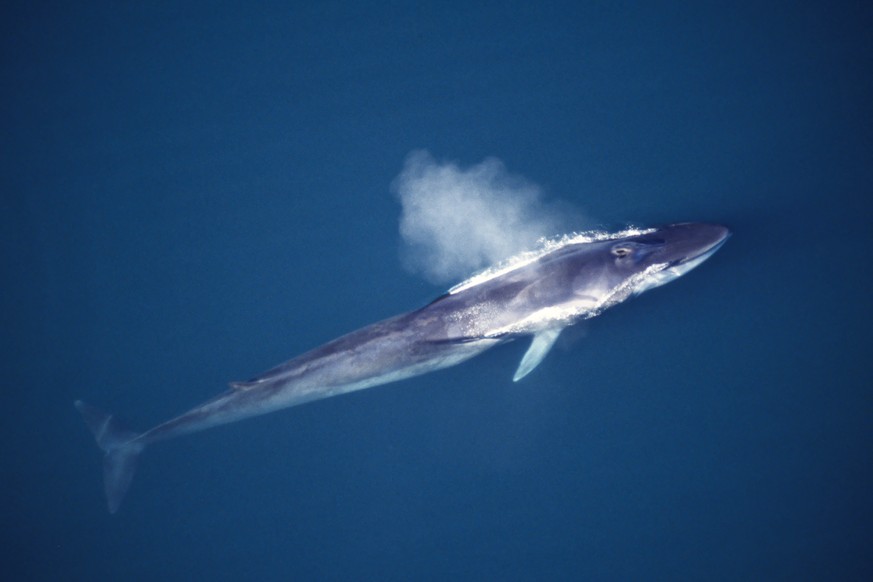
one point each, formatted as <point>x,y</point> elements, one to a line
<point>536,295</point>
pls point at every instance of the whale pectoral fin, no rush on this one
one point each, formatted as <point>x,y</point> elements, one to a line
<point>539,347</point>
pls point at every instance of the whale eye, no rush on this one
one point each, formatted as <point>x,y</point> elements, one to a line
<point>621,251</point>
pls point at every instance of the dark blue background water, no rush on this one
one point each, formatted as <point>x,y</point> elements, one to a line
<point>193,192</point>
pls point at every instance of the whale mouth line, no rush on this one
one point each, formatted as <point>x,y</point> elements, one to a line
<point>701,256</point>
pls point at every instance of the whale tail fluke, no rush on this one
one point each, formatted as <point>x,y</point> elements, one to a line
<point>121,448</point>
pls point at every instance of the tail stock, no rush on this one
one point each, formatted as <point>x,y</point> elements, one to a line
<point>122,451</point>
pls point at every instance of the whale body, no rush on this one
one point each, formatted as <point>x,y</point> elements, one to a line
<point>536,295</point>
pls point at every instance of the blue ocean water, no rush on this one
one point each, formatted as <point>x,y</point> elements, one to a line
<point>194,192</point>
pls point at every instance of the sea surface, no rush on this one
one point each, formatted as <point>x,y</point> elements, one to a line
<point>193,192</point>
